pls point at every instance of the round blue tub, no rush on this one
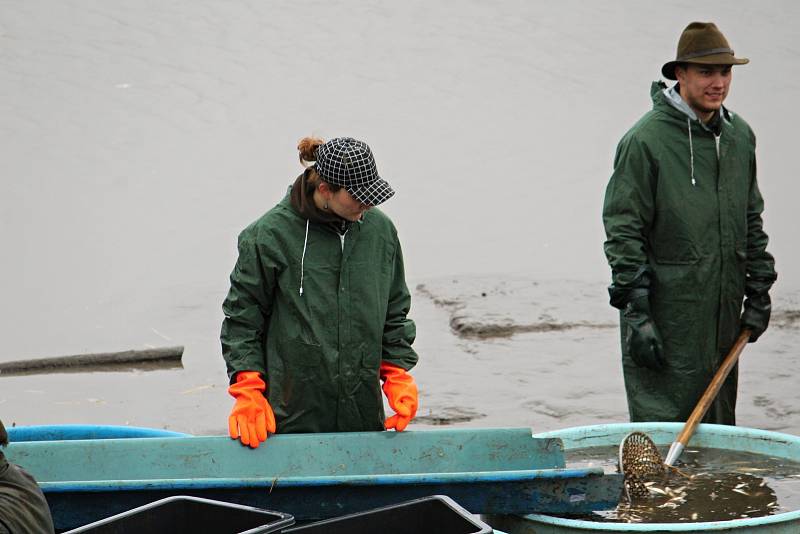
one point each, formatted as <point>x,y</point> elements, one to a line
<point>716,436</point>
<point>71,432</point>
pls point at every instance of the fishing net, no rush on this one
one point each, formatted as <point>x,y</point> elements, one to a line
<point>640,463</point>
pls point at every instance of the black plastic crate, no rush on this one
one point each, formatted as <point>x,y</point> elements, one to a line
<point>437,514</point>
<point>190,514</point>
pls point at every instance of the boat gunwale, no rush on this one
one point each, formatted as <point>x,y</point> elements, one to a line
<point>467,477</point>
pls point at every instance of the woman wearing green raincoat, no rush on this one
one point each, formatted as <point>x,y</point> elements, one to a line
<point>316,316</point>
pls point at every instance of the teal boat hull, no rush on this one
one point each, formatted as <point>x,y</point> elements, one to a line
<point>70,432</point>
<point>314,476</point>
<point>716,436</point>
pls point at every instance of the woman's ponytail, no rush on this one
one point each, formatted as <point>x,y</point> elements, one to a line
<point>307,147</point>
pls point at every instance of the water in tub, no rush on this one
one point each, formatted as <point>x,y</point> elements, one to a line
<point>710,485</point>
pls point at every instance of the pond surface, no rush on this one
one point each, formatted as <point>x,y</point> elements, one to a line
<point>138,138</point>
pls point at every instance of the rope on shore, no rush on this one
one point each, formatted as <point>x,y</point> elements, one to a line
<point>157,358</point>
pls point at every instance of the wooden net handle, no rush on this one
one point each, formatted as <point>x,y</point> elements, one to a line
<point>713,388</point>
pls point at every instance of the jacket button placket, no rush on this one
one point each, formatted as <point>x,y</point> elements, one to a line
<point>343,340</point>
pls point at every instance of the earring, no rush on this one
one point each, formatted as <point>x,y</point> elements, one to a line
<point>325,206</point>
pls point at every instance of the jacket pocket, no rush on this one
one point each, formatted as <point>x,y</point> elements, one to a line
<point>689,257</point>
<point>370,364</point>
<point>301,354</point>
<point>676,280</point>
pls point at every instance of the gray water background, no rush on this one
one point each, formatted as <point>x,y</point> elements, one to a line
<point>137,138</point>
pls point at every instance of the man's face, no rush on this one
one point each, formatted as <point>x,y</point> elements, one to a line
<point>704,87</point>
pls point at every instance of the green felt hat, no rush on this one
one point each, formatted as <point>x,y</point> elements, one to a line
<point>702,43</point>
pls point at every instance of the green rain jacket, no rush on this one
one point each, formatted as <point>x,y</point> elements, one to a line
<point>23,507</point>
<point>683,222</point>
<point>315,313</point>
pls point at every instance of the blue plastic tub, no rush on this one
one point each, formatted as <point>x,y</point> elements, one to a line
<point>716,436</point>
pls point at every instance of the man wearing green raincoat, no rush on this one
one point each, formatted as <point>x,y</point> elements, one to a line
<point>316,315</point>
<point>685,239</point>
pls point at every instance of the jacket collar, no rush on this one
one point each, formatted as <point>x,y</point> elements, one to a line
<point>669,100</point>
<point>299,200</point>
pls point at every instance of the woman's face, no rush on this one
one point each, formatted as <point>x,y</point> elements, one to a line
<point>346,205</point>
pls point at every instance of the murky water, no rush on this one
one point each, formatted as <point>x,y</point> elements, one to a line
<point>709,485</point>
<point>138,138</point>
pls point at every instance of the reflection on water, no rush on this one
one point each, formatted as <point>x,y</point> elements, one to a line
<point>711,485</point>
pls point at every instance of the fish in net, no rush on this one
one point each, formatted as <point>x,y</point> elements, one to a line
<point>640,463</point>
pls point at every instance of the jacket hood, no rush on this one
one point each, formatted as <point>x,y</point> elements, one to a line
<point>301,200</point>
<point>301,196</point>
<point>669,100</point>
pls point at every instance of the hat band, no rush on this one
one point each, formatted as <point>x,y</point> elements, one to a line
<point>709,52</point>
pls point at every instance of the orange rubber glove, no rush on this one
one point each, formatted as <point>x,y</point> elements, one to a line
<point>401,392</point>
<point>251,417</point>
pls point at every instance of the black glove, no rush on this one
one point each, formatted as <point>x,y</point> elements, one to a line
<point>642,338</point>
<point>757,309</point>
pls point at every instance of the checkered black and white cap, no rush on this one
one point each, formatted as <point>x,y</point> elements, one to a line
<point>349,163</point>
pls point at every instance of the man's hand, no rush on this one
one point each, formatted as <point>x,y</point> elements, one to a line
<point>757,310</point>
<point>642,337</point>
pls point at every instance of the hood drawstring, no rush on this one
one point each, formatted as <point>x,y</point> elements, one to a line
<point>303,258</point>
<point>691,149</point>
